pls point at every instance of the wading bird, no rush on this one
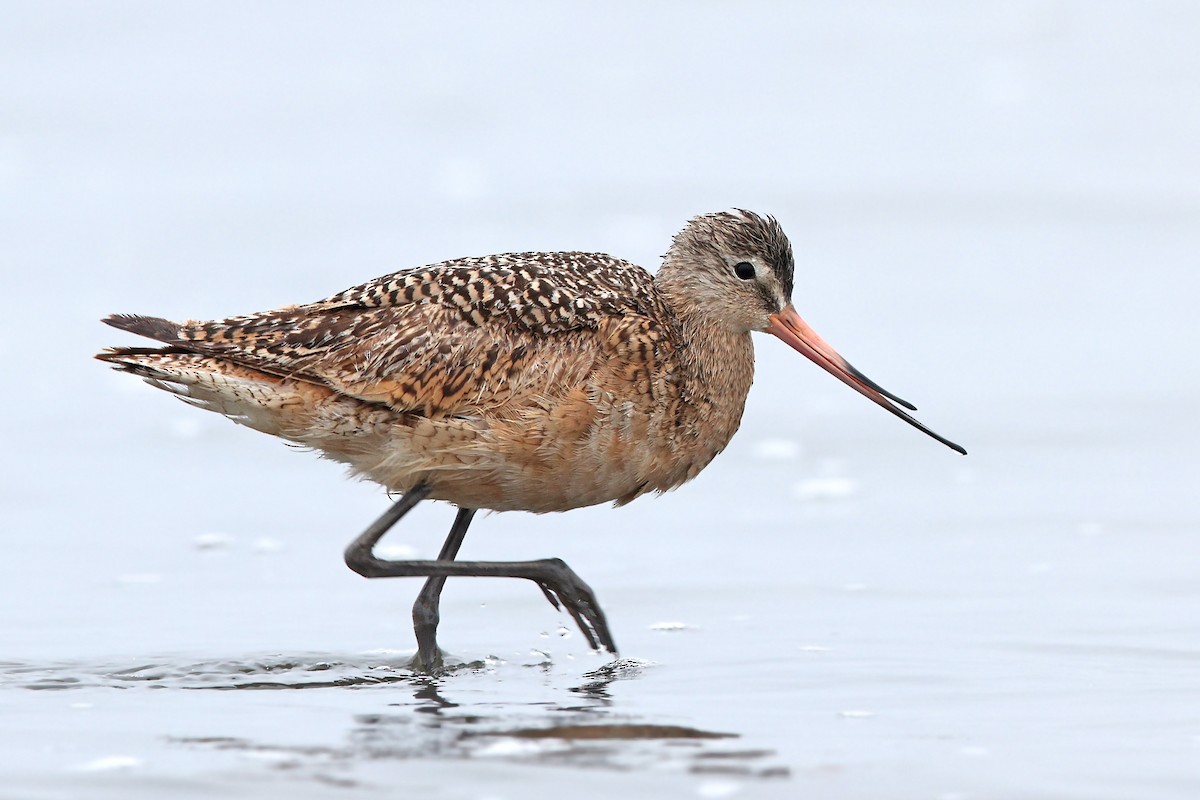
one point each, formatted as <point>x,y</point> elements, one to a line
<point>527,381</point>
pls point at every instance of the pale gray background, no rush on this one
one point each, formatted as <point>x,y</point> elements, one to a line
<point>996,213</point>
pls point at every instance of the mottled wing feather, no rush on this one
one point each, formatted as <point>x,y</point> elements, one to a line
<point>430,361</point>
<point>459,338</point>
<point>540,292</point>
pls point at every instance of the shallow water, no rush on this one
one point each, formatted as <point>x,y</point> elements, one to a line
<point>993,216</point>
<point>974,646</point>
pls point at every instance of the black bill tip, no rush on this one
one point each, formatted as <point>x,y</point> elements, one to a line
<point>867,381</point>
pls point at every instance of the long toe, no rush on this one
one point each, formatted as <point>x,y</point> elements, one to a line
<point>566,590</point>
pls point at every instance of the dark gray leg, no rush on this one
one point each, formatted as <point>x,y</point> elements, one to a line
<point>562,587</point>
<point>360,550</point>
<point>425,610</point>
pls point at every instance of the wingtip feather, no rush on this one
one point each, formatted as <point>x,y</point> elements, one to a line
<point>157,328</point>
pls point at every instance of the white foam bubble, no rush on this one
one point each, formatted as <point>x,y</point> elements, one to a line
<point>212,541</point>
<point>715,789</point>
<point>670,626</point>
<point>109,763</point>
<point>856,713</point>
<point>816,490</point>
<point>267,545</point>
<point>506,748</point>
<point>776,450</point>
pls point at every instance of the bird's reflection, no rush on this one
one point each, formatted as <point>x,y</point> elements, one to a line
<point>429,699</point>
<point>581,724</point>
<point>486,709</point>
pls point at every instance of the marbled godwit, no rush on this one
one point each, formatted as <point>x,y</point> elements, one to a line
<point>528,381</point>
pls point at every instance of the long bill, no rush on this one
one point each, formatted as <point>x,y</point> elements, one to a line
<point>788,326</point>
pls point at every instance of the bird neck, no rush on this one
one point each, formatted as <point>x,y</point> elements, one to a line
<point>717,363</point>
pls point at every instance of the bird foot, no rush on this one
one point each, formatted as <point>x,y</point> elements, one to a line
<point>566,591</point>
<point>428,662</point>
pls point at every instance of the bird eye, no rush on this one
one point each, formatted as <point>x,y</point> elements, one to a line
<point>744,270</point>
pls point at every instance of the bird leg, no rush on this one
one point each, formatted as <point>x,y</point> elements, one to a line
<point>425,611</point>
<point>562,587</point>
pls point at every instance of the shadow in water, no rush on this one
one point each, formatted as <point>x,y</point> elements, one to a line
<point>476,710</point>
<point>268,672</point>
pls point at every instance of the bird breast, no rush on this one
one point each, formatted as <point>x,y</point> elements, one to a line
<point>646,417</point>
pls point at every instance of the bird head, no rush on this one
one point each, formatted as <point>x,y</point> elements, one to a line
<point>738,266</point>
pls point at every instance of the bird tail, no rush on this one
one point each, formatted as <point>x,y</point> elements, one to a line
<point>245,395</point>
<point>157,328</point>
